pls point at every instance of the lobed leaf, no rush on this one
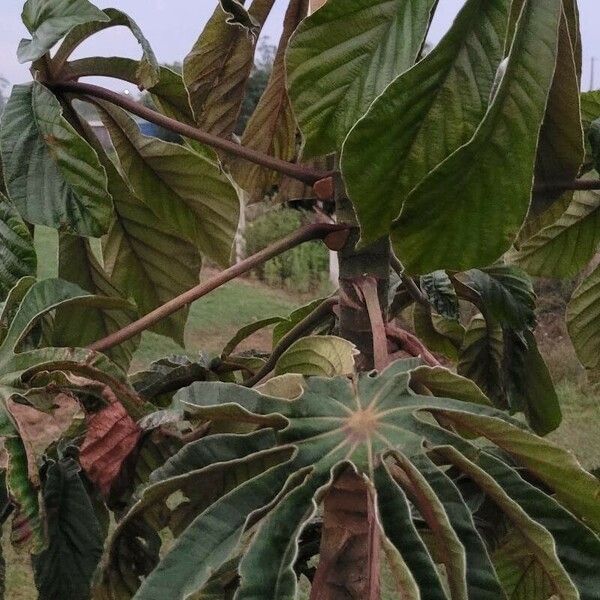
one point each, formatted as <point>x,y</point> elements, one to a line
<point>367,424</point>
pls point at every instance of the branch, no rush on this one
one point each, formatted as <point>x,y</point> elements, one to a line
<point>299,172</point>
<point>564,186</point>
<point>300,330</point>
<point>315,231</point>
<point>411,287</point>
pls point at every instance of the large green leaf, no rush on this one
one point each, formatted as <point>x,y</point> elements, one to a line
<point>323,355</point>
<point>343,56</point>
<point>362,423</point>
<point>186,191</point>
<point>424,116</point>
<point>564,247</point>
<point>49,20</point>
<point>53,175</point>
<point>561,149</point>
<point>146,259</point>
<point>217,68</point>
<point>272,128</point>
<point>464,229</point>
<point>583,314</point>
<point>65,568</point>
<point>504,294</point>
<point>79,327</point>
<point>147,71</point>
<point>17,254</point>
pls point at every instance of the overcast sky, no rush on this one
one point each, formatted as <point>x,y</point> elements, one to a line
<point>172,26</point>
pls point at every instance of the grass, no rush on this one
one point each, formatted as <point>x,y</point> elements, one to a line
<point>578,431</point>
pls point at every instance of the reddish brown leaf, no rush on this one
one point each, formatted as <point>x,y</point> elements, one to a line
<point>350,544</point>
<point>112,435</point>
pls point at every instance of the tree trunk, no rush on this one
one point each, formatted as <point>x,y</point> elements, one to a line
<point>350,544</point>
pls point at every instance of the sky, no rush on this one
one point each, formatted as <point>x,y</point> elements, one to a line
<point>172,26</point>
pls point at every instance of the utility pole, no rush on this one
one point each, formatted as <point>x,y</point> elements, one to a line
<point>592,78</point>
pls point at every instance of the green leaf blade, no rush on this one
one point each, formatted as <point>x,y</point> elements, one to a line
<point>186,191</point>
<point>65,568</point>
<point>476,232</point>
<point>340,60</point>
<point>565,246</point>
<point>79,327</point>
<point>17,254</point>
<point>39,145</point>
<point>423,116</point>
<point>217,68</point>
